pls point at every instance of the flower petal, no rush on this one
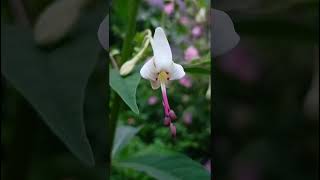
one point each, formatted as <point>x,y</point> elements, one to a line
<point>103,33</point>
<point>148,70</point>
<point>155,84</point>
<point>223,34</point>
<point>161,50</point>
<point>176,71</point>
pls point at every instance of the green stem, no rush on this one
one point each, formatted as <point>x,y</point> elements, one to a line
<point>126,51</point>
<point>127,46</point>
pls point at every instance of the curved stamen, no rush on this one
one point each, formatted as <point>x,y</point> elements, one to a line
<point>165,99</point>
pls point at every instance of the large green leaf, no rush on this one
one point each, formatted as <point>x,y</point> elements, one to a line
<point>166,166</point>
<point>122,137</point>
<point>126,87</point>
<point>53,81</point>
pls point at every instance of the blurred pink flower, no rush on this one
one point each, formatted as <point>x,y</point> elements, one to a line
<point>191,53</point>
<point>245,170</point>
<point>152,100</point>
<point>196,31</point>
<point>155,3</point>
<point>187,118</point>
<point>207,165</point>
<point>239,64</point>
<point>186,81</point>
<point>169,8</point>
<point>131,121</point>
<point>184,20</point>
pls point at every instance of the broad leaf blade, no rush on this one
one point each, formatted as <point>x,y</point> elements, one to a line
<point>126,88</point>
<point>122,137</point>
<point>53,82</point>
<point>166,166</point>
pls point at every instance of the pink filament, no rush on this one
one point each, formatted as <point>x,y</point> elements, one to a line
<point>165,99</point>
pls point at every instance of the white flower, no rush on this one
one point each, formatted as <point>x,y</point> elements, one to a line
<point>161,68</point>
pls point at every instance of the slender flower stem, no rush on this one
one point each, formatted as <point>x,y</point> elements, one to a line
<point>125,54</point>
<point>127,46</point>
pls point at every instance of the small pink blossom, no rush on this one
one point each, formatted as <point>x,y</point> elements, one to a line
<point>173,130</point>
<point>207,165</point>
<point>187,118</point>
<point>169,8</point>
<point>196,31</point>
<point>191,53</point>
<point>152,100</point>
<point>184,20</point>
<point>186,81</point>
<point>241,65</point>
<point>155,3</point>
<point>131,121</point>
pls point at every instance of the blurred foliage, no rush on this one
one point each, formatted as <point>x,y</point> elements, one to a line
<point>263,130</point>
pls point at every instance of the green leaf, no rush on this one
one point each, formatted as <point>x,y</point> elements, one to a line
<point>122,137</point>
<point>126,88</point>
<point>166,166</point>
<point>53,81</point>
<point>197,70</point>
<point>56,21</point>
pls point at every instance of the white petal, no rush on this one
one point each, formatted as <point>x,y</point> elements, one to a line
<point>155,84</point>
<point>176,71</point>
<point>161,50</point>
<point>148,70</point>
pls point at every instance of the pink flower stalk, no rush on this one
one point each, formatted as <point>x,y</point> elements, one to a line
<point>187,118</point>
<point>152,100</point>
<point>186,82</point>
<point>169,8</point>
<point>196,31</point>
<point>173,130</point>
<point>191,53</point>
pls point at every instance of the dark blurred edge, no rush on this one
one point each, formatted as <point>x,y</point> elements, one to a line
<point>259,27</point>
<point>97,91</point>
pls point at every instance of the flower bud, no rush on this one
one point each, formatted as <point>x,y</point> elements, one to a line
<point>201,16</point>
<point>172,115</point>
<point>127,67</point>
<point>167,121</point>
<point>173,130</point>
<point>208,93</point>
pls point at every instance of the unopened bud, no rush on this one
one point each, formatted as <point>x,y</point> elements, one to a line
<point>208,93</point>
<point>173,130</point>
<point>127,67</point>
<point>201,16</point>
<point>172,115</point>
<point>167,121</point>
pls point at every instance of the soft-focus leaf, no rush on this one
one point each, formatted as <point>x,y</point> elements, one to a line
<point>53,81</point>
<point>122,137</point>
<point>255,7</point>
<point>166,166</point>
<point>223,35</point>
<point>103,33</point>
<point>56,21</point>
<point>126,88</point>
<point>198,70</point>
